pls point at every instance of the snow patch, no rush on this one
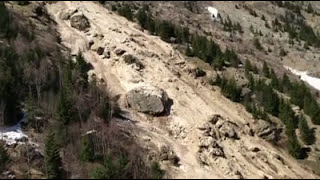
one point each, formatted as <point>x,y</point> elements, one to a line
<point>14,135</point>
<point>313,81</point>
<point>213,11</point>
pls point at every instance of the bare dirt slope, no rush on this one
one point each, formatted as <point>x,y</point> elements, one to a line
<point>193,103</point>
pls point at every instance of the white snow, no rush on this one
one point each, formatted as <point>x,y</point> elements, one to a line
<point>213,11</point>
<point>13,135</point>
<point>313,81</point>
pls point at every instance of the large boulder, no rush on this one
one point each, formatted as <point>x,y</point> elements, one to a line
<point>148,99</point>
<point>80,22</point>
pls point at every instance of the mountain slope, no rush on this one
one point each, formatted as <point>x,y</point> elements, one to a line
<point>193,102</point>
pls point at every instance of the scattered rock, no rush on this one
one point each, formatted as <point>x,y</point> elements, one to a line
<point>255,149</point>
<point>167,154</point>
<point>100,50</point>
<point>199,73</point>
<point>119,52</point>
<point>130,59</point>
<point>80,22</point>
<point>107,54</point>
<point>148,99</point>
<point>91,42</point>
<point>173,40</point>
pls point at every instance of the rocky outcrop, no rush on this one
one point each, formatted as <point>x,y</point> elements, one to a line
<point>209,148</point>
<point>266,130</point>
<point>167,154</point>
<point>148,99</point>
<point>80,22</point>
<point>219,128</point>
<point>216,130</point>
<point>66,15</point>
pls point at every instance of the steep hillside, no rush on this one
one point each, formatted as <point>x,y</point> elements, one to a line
<point>193,103</point>
<point>133,98</point>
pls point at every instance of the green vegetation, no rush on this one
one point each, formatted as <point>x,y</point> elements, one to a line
<point>229,88</point>
<point>197,45</point>
<point>229,26</point>
<point>294,147</point>
<point>307,134</point>
<point>52,158</point>
<point>87,149</point>
<point>298,29</point>
<point>156,171</point>
<point>4,158</point>
<point>4,19</point>
<point>112,169</point>
<point>125,10</point>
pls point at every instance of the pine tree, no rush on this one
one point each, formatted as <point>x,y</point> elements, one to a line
<point>294,147</point>
<point>126,11</point>
<point>123,161</point>
<point>307,134</point>
<point>82,66</point>
<point>310,9</point>
<point>52,158</point>
<point>275,81</point>
<point>247,67</point>
<point>4,157</point>
<point>4,18</point>
<point>270,100</point>
<point>65,108</point>
<point>142,18</point>
<point>266,70</point>
<point>286,83</point>
<point>156,171</point>
<point>87,149</point>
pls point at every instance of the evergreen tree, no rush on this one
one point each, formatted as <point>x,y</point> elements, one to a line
<point>286,114</point>
<point>82,67</point>
<point>52,158</point>
<point>4,158</point>
<point>156,171</point>
<point>270,100</point>
<point>266,70</point>
<point>286,83</point>
<point>307,134</point>
<point>4,18</point>
<point>65,108</point>
<point>310,9</point>
<point>275,81</point>
<point>142,18</point>
<point>294,146</point>
<point>247,67</point>
<point>87,149</point>
<point>123,162</point>
<point>125,10</point>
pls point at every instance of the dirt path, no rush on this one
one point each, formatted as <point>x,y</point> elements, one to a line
<point>192,103</point>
